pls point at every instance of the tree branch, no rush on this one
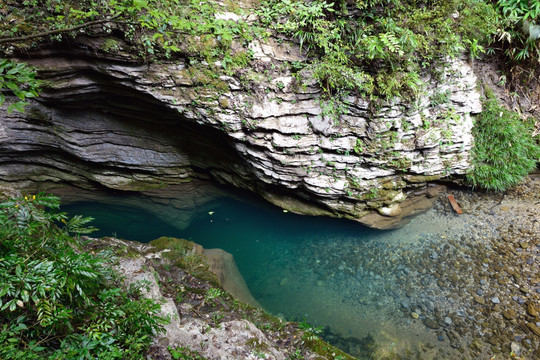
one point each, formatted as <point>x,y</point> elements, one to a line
<point>58,31</point>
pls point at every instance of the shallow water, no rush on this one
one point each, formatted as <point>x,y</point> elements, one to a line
<point>332,273</point>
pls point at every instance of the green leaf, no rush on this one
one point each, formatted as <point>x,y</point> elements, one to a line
<point>12,86</point>
<point>18,106</point>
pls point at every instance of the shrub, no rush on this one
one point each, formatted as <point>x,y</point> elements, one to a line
<point>505,152</point>
<point>58,301</point>
<point>520,33</point>
<point>20,79</point>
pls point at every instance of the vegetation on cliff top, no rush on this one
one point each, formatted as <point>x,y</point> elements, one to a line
<point>58,301</point>
<point>378,47</point>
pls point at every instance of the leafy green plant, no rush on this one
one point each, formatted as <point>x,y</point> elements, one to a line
<point>19,79</point>
<point>212,295</point>
<point>311,333</point>
<point>379,47</point>
<point>520,33</point>
<point>504,152</point>
<point>439,98</point>
<point>297,355</point>
<point>58,301</point>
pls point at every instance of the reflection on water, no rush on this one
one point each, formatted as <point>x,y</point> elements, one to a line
<point>333,273</point>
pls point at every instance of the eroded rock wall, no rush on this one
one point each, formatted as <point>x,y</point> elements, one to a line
<point>104,121</point>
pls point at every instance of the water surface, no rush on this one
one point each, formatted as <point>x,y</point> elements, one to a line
<point>332,273</point>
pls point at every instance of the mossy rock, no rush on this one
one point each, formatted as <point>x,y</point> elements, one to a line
<point>327,351</point>
<point>172,243</point>
<point>110,45</point>
<point>422,178</point>
<point>186,255</point>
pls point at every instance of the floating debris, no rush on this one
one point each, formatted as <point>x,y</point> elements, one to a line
<point>454,204</point>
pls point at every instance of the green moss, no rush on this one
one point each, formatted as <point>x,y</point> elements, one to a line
<point>224,103</point>
<point>173,244</point>
<point>185,255</point>
<point>110,45</point>
<point>220,86</point>
<point>388,194</point>
<point>239,60</point>
<point>327,351</point>
<point>422,178</point>
<point>256,345</point>
<point>127,252</point>
<point>37,114</point>
<point>184,353</point>
<point>201,76</point>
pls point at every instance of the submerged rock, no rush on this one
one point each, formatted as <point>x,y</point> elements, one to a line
<point>223,265</point>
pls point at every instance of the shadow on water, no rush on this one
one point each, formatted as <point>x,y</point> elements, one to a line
<point>294,265</point>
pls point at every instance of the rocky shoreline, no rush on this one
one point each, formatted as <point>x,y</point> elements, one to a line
<point>445,286</point>
<point>206,322</point>
<point>469,289</point>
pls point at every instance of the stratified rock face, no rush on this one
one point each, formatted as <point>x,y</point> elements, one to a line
<point>134,127</point>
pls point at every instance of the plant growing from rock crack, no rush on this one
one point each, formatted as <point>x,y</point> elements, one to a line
<point>378,47</point>
<point>19,79</point>
<point>212,294</point>
<point>184,353</point>
<point>311,332</point>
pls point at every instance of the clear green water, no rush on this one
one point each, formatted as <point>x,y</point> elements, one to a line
<point>257,234</point>
<point>332,273</point>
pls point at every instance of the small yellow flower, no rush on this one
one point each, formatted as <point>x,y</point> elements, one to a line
<point>33,197</point>
<point>25,197</point>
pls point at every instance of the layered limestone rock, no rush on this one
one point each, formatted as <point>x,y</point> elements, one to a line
<point>103,120</point>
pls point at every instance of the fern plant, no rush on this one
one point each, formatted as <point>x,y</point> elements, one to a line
<point>379,47</point>
<point>19,79</point>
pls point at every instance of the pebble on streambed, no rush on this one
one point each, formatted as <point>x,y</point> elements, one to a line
<point>471,286</point>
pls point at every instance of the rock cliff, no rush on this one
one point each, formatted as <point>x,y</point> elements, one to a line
<point>106,120</point>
